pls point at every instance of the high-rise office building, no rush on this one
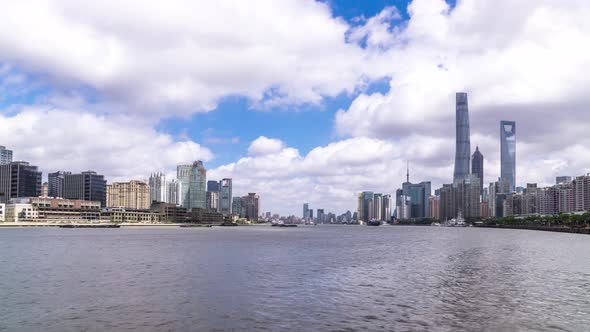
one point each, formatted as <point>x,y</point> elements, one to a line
<point>477,166</point>
<point>5,155</point>
<point>251,206</point>
<point>192,182</point>
<point>131,195</point>
<point>19,179</point>
<point>45,190</point>
<point>305,211</point>
<point>418,193</point>
<point>87,186</point>
<point>463,143</point>
<point>172,192</point>
<point>366,210</point>
<point>55,183</point>
<point>508,153</point>
<point>158,188</point>
<point>213,200</point>
<point>237,207</point>
<point>213,186</point>
<point>563,179</point>
<point>386,208</point>
<point>377,206</point>
<point>321,218</point>
<point>225,196</point>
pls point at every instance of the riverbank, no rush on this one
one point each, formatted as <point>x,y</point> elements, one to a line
<point>122,225</point>
<point>541,228</point>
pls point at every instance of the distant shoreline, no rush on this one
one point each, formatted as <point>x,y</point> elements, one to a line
<point>122,225</point>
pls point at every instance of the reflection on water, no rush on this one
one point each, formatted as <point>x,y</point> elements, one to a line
<point>332,278</point>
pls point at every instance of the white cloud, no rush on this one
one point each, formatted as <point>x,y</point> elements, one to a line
<point>264,145</point>
<point>121,148</point>
<point>176,57</point>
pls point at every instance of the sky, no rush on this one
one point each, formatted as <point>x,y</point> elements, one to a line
<point>297,100</point>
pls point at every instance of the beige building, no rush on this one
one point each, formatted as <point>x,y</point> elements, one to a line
<point>131,195</point>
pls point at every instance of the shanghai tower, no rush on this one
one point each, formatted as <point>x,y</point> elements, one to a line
<point>463,146</point>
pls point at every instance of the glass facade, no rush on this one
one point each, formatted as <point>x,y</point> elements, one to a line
<point>225,196</point>
<point>508,153</point>
<point>463,144</point>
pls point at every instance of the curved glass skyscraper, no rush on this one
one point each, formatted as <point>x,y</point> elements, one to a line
<point>463,145</point>
<point>508,152</point>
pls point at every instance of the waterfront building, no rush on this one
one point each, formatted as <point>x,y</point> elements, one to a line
<point>225,196</point>
<point>5,155</point>
<point>192,180</point>
<point>365,206</point>
<point>565,197</point>
<point>158,187</point>
<point>172,192</point>
<point>418,194</point>
<point>378,206</point>
<point>484,209</point>
<point>204,216</point>
<point>130,195</point>
<point>529,200</point>
<point>55,183</point>
<point>386,210</point>
<point>251,206</point>
<point>213,200</point>
<point>45,190</point>
<point>508,153</point>
<point>123,215</point>
<point>434,206</point>
<point>547,201</point>
<point>463,143</point>
<point>19,179</point>
<point>2,212</point>
<point>20,212</point>
<point>170,212</point>
<point>237,207</point>
<point>87,186</point>
<point>563,179</point>
<point>467,196</point>
<point>321,218</point>
<point>305,211</point>
<point>581,186</point>
<point>477,166</point>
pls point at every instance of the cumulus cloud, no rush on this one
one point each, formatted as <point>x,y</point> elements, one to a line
<point>121,148</point>
<point>264,145</point>
<point>178,57</point>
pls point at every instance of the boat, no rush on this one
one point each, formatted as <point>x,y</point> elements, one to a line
<point>374,223</point>
<point>436,224</point>
<point>283,225</point>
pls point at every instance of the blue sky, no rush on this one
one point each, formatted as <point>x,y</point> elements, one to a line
<point>297,100</point>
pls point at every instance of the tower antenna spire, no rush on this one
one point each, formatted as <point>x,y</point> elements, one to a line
<point>408,172</point>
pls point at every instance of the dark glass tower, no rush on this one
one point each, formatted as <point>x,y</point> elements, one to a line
<point>463,144</point>
<point>477,167</point>
<point>508,152</point>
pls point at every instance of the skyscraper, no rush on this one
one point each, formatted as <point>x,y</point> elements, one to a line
<point>131,195</point>
<point>212,186</point>
<point>508,153</point>
<point>172,192</point>
<point>463,144</point>
<point>19,179</point>
<point>87,186</point>
<point>5,155</point>
<point>55,183</point>
<point>192,185</point>
<point>225,196</point>
<point>305,210</point>
<point>477,166</point>
<point>158,188</point>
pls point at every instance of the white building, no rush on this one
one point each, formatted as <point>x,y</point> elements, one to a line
<point>2,212</point>
<point>158,188</point>
<point>19,212</point>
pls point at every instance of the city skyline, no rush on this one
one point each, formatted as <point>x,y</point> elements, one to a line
<point>288,123</point>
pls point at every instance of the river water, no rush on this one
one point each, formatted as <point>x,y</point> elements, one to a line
<point>323,278</point>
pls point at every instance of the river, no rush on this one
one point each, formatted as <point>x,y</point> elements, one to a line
<point>323,278</point>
